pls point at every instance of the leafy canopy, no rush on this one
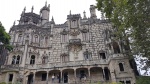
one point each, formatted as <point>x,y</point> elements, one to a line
<point>4,37</point>
<point>131,19</point>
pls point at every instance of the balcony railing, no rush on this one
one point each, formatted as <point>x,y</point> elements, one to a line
<point>72,63</point>
<point>75,41</point>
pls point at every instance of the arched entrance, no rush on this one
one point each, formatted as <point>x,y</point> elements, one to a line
<point>30,78</point>
<point>96,74</point>
<point>55,76</point>
<point>81,73</point>
<point>40,77</point>
<point>68,76</point>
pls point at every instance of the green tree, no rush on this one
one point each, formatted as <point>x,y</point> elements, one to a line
<point>131,19</point>
<point>5,38</point>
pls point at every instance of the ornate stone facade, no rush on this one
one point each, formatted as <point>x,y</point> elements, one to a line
<point>78,50</point>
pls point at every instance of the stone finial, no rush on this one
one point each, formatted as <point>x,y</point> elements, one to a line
<point>52,19</point>
<point>48,5</point>
<point>84,17</point>
<point>14,23</point>
<point>45,3</point>
<point>24,9</point>
<point>32,9</point>
<point>70,12</point>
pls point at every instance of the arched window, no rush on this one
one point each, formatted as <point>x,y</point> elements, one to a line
<point>46,41</point>
<point>64,57</point>
<point>87,55</point>
<point>32,60</point>
<point>116,47</point>
<point>19,37</point>
<point>36,39</point>
<point>13,60</point>
<point>44,60</point>
<point>121,67</point>
<point>18,59</point>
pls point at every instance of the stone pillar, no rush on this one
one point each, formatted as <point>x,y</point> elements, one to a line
<point>25,53</point>
<point>61,78</point>
<point>47,77</point>
<point>75,75</point>
<point>34,78</point>
<point>89,73</point>
<point>103,73</point>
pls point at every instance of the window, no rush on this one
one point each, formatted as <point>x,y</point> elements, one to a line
<point>46,41</point>
<point>65,58</point>
<point>121,67</point>
<point>44,76</point>
<point>102,55</point>
<point>116,48</point>
<point>14,60</point>
<point>44,59</point>
<point>19,37</point>
<point>10,77</point>
<point>85,36</point>
<point>32,60</point>
<point>64,38</point>
<point>87,55</point>
<point>18,59</point>
<point>36,39</point>
<point>82,74</point>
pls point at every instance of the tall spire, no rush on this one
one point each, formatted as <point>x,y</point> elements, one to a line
<point>48,5</point>
<point>70,12</point>
<point>32,9</point>
<point>24,9</point>
<point>45,3</point>
<point>14,23</point>
<point>84,17</point>
<point>52,20</point>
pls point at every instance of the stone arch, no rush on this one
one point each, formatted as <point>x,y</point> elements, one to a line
<point>96,74</point>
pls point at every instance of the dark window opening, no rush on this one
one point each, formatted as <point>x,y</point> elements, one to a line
<point>32,60</point>
<point>128,82</point>
<point>18,59</point>
<point>44,75</point>
<point>30,79</point>
<point>10,77</point>
<point>66,77</point>
<point>116,48</point>
<point>13,60</point>
<point>82,74</point>
<point>121,67</point>
<point>107,73</point>
<point>103,56</point>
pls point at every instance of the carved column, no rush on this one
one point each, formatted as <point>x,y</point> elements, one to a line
<point>89,73</point>
<point>75,75</point>
<point>47,77</point>
<point>34,78</point>
<point>61,78</point>
<point>103,73</point>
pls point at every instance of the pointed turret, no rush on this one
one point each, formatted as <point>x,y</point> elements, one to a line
<point>84,17</point>
<point>44,12</point>
<point>93,11</point>
<point>52,20</point>
<point>32,9</point>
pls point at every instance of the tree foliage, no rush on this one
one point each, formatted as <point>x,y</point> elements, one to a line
<point>131,19</point>
<point>4,37</point>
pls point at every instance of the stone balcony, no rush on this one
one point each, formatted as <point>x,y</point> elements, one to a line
<point>75,41</point>
<point>68,64</point>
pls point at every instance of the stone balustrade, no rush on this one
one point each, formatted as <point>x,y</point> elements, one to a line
<point>58,64</point>
<point>72,63</point>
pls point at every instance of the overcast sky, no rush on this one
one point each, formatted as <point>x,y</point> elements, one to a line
<point>59,9</point>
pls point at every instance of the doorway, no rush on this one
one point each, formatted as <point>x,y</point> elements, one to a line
<point>30,79</point>
<point>66,77</point>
